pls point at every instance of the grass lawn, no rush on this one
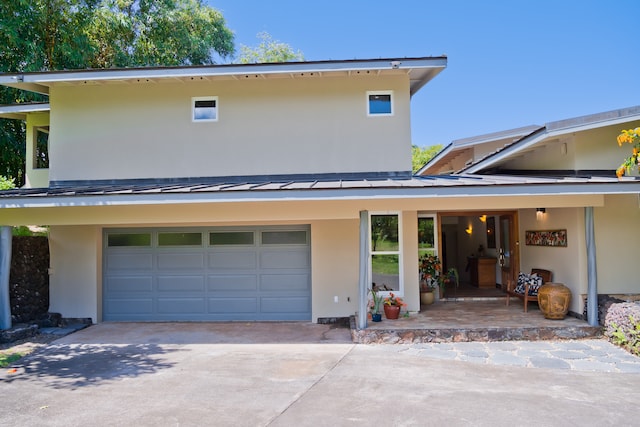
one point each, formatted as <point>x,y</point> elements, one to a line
<point>8,358</point>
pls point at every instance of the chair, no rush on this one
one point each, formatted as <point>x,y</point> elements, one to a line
<point>528,294</point>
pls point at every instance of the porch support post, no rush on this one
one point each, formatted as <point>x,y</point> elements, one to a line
<point>592,274</point>
<point>5,267</point>
<point>363,283</point>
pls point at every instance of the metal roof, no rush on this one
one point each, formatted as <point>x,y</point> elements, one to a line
<point>420,71</point>
<point>309,189</point>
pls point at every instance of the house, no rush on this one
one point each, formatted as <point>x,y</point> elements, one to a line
<point>280,192</point>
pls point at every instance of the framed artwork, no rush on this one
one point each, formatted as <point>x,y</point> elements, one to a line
<point>491,232</point>
<point>556,238</point>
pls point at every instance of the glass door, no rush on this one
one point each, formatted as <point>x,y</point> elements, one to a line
<point>508,254</point>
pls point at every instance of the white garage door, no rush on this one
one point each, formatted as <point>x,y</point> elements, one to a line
<point>207,274</point>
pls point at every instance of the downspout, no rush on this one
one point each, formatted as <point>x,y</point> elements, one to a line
<point>592,273</point>
<point>5,269</point>
<point>363,283</point>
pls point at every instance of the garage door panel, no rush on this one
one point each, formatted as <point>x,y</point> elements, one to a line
<point>181,305</point>
<point>284,282</point>
<point>214,279</point>
<point>247,282</point>
<point>182,261</point>
<point>129,261</point>
<point>180,283</point>
<point>285,304</point>
<point>129,306</point>
<point>285,259</point>
<point>233,260</point>
<point>129,284</point>
<point>233,305</point>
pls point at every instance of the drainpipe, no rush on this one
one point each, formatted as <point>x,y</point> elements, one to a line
<point>592,273</point>
<point>5,267</point>
<point>363,284</point>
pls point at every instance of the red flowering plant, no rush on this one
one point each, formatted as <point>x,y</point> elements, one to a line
<point>394,300</point>
<point>430,270</point>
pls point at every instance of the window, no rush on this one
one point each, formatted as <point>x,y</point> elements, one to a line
<point>205,109</point>
<point>41,148</point>
<point>226,238</point>
<point>179,239</point>
<point>386,253</point>
<point>427,236</point>
<point>284,237</point>
<point>129,239</point>
<point>379,103</point>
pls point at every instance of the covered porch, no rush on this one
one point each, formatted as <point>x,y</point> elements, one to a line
<point>473,319</point>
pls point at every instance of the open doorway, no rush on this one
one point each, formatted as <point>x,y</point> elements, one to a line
<point>482,247</point>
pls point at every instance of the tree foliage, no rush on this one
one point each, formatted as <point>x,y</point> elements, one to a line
<point>268,50</point>
<point>421,155</point>
<point>43,35</point>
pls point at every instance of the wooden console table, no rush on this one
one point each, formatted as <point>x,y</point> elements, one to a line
<point>483,271</point>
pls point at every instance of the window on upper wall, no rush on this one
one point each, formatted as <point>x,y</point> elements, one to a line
<point>386,252</point>
<point>204,109</point>
<point>41,148</point>
<point>380,103</point>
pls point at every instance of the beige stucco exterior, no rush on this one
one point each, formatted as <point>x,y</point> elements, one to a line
<point>264,127</point>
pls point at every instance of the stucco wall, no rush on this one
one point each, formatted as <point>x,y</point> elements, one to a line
<point>314,125</point>
<point>617,244</point>
<point>76,269</point>
<point>568,264</point>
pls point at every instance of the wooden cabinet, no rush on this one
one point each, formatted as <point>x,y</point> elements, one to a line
<point>482,271</point>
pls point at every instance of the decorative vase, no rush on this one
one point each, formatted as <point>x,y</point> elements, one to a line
<point>391,311</point>
<point>376,317</point>
<point>553,299</point>
<point>426,298</point>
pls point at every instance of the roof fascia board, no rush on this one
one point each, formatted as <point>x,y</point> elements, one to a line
<point>23,80</point>
<point>628,187</point>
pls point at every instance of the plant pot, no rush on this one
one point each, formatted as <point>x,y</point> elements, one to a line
<point>426,298</point>
<point>376,317</point>
<point>553,299</point>
<point>391,311</point>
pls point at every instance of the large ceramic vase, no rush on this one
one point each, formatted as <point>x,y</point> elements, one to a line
<point>554,299</point>
<point>426,298</point>
<point>391,311</point>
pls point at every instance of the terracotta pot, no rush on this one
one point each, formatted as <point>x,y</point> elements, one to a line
<point>391,311</point>
<point>426,298</point>
<point>553,299</point>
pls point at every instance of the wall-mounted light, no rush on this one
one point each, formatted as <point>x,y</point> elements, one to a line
<point>540,213</point>
<point>483,218</point>
<point>469,230</point>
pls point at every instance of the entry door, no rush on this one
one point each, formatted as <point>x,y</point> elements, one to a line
<point>509,256</point>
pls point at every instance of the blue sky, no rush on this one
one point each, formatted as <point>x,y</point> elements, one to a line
<point>510,63</point>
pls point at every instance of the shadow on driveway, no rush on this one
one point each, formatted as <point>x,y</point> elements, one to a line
<point>72,366</point>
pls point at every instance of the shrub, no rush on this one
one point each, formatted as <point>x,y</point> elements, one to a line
<point>622,326</point>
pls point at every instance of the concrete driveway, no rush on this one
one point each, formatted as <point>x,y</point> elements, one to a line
<point>290,374</point>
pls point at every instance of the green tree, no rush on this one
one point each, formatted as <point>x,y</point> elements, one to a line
<point>421,155</point>
<point>268,50</point>
<point>42,35</point>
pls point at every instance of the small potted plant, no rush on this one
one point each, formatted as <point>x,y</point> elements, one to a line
<point>392,306</point>
<point>374,304</point>
<point>429,270</point>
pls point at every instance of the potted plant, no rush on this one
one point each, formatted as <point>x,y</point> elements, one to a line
<point>431,277</point>
<point>392,306</point>
<point>429,270</point>
<point>374,304</point>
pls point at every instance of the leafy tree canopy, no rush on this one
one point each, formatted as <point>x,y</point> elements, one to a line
<point>268,50</point>
<point>421,155</point>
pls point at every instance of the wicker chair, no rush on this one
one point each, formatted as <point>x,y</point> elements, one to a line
<point>546,275</point>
